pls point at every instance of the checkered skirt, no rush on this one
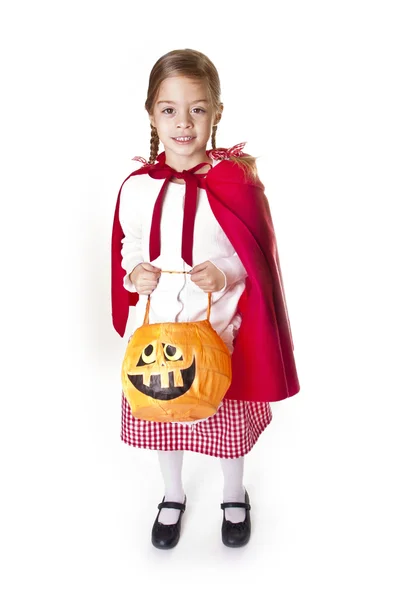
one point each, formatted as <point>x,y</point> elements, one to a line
<point>230,433</point>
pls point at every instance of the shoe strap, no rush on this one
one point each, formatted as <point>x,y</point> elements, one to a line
<point>168,504</point>
<point>235,505</point>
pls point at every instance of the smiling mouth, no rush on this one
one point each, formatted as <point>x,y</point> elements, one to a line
<point>155,389</point>
<point>183,139</point>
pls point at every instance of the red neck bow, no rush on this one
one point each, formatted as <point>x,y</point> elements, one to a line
<point>193,181</point>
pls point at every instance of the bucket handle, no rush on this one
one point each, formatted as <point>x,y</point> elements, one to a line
<point>146,317</point>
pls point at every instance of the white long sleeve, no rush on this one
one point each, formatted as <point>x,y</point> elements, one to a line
<point>232,269</point>
<point>131,223</point>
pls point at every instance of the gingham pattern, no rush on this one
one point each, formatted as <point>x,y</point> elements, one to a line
<point>230,433</point>
<point>222,153</point>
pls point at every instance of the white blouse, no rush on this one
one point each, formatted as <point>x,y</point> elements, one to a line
<point>177,298</point>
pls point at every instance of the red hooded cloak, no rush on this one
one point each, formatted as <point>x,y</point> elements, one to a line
<point>263,364</point>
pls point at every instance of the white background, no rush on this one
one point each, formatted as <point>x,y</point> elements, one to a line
<point>317,89</point>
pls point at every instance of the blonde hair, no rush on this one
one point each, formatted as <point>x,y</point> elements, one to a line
<point>196,65</point>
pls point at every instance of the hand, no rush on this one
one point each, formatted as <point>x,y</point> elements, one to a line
<point>145,277</point>
<point>208,277</point>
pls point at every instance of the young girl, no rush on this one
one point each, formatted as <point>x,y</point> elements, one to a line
<point>203,213</point>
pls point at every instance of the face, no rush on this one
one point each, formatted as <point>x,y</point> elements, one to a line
<point>184,118</point>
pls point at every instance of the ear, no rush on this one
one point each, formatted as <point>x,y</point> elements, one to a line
<point>218,115</point>
<point>152,120</point>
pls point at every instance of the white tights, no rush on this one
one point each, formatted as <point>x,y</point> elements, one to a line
<point>171,468</point>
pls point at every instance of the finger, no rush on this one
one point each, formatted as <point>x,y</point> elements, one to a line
<point>149,267</point>
<point>149,276</point>
<point>145,290</point>
<point>198,268</point>
<point>207,281</point>
<point>198,278</point>
<point>203,285</point>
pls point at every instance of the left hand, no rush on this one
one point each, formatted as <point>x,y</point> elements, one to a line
<point>207,277</point>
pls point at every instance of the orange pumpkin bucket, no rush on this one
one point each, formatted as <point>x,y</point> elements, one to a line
<point>175,371</point>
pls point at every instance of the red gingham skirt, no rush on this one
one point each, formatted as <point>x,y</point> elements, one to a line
<point>230,433</point>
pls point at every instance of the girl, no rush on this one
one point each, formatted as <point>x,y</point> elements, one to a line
<point>203,213</point>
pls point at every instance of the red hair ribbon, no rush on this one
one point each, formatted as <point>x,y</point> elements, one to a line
<point>222,153</point>
<point>140,159</point>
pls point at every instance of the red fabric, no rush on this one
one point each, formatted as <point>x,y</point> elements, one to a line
<point>192,180</point>
<point>263,363</point>
<point>230,433</point>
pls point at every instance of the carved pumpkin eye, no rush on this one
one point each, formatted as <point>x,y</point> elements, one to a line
<point>148,355</point>
<point>172,353</point>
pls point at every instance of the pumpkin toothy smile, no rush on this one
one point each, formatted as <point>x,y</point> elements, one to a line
<point>155,389</point>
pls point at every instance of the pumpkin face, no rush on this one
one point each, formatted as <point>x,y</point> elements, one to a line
<point>164,374</point>
<point>175,371</point>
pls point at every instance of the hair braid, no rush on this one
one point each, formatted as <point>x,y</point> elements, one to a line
<point>213,137</point>
<point>248,164</point>
<point>154,145</point>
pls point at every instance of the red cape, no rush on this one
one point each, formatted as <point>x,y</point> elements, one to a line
<point>263,364</point>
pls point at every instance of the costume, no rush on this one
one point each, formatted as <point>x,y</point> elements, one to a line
<point>263,362</point>
<point>262,353</point>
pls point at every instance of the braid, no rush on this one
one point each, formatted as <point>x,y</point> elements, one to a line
<point>248,164</point>
<point>154,145</point>
<point>213,137</point>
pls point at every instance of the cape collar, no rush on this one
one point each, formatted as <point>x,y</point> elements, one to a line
<point>193,181</point>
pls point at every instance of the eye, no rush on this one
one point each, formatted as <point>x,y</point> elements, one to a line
<point>148,356</point>
<point>172,353</point>
<point>200,110</point>
<point>166,113</point>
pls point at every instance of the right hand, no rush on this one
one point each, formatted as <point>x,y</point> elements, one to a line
<point>145,277</point>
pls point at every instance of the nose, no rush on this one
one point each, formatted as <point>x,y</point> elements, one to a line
<point>184,120</point>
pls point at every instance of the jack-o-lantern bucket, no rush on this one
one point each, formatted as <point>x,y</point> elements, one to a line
<point>175,371</point>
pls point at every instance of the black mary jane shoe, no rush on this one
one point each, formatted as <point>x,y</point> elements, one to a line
<point>163,536</point>
<point>235,535</point>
